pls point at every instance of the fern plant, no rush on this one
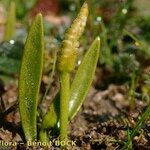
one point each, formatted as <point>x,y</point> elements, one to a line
<point>71,95</point>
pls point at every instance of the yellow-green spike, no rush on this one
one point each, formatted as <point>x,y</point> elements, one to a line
<point>68,52</point>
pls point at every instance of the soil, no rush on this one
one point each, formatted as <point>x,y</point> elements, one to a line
<point>101,124</point>
<point>105,118</point>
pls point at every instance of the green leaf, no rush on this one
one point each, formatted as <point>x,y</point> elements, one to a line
<point>30,78</point>
<point>50,119</point>
<point>79,87</point>
<point>10,24</point>
<point>83,78</point>
<point>52,116</point>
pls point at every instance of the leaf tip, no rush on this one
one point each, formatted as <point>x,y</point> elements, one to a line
<point>97,41</point>
<point>98,38</point>
<point>85,4</point>
<point>39,17</point>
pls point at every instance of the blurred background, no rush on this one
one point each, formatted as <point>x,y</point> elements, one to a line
<point>122,24</point>
<point>121,85</point>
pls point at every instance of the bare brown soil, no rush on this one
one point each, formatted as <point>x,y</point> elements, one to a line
<point>101,124</point>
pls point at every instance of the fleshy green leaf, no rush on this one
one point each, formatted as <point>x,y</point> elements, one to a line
<point>50,119</point>
<point>11,20</point>
<point>30,78</point>
<point>83,78</point>
<point>52,116</point>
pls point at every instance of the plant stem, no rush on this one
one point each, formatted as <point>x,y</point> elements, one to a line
<point>43,136</point>
<point>51,77</point>
<point>64,98</point>
<point>10,23</point>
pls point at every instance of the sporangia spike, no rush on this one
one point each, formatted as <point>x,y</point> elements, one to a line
<point>68,52</point>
